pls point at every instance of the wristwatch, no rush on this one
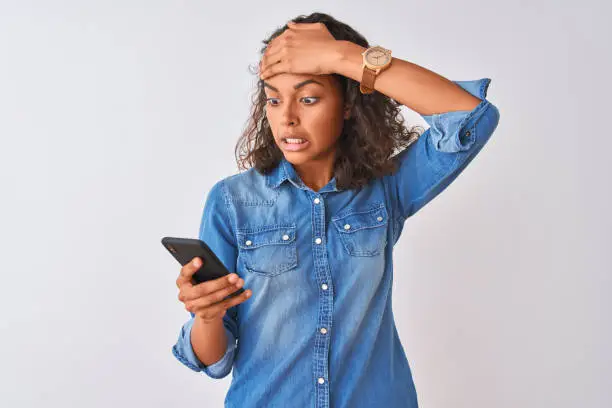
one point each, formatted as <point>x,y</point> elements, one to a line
<point>375,60</point>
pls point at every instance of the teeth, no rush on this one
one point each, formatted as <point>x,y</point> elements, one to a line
<point>298,141</point>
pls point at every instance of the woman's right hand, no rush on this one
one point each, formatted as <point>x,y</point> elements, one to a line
<point>205,299</point>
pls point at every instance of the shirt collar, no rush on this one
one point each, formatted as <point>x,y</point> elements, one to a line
<point>285,171</point>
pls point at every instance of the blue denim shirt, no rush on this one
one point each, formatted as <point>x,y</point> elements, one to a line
<point>318,330</point>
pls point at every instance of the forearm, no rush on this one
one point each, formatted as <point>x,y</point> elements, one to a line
<point>208,340</point>
<point>416,87</point>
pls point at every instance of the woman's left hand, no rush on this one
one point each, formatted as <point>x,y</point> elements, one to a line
<point>303,48</point>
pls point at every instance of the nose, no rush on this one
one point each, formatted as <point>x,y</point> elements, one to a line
<point>289,114</point>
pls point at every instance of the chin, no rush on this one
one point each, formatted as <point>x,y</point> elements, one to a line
<point>296,157</point>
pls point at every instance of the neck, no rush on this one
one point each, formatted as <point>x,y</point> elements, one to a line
<point>317,173</point>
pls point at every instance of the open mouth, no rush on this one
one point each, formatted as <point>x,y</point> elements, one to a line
<point>292,140</point>
<point>294,144</point>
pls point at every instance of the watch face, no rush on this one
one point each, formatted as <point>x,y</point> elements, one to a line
<point>377,56</point>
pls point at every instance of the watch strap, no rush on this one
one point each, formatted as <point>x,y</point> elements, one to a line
<point>367,80</point>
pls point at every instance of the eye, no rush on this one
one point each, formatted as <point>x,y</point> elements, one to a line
<point>312,99</point>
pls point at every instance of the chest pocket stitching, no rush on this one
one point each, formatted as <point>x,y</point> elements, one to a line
<point>264,250</point>
<point>365,235</point>
<point>361,232</point>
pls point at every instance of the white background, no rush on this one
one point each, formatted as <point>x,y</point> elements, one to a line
<point>117,117</point>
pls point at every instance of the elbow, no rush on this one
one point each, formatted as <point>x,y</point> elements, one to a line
<point>479,133</point>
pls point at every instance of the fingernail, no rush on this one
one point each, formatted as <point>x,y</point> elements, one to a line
<point>196,262</point>
<point>232,278</point>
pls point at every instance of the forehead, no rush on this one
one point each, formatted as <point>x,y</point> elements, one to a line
<point>289,83</point>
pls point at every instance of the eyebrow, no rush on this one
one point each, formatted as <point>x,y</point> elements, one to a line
<point>296,86</point>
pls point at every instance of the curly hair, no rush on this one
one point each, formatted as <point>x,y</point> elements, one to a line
<point>373,133</point>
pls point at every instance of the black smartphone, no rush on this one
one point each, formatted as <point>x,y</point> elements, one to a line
<point>185,249</point>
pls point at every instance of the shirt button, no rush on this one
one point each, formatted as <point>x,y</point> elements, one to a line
<point>379,218</point>
<point>323,330</point>
<point>248,242</point>
<point>347,226</point>
<point>318,240</point>
<point>285,237</point>
<point>317,201</point>
<point>324,286</point>
<point>321,380</point>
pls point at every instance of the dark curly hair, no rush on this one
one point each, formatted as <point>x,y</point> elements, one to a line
<point>374,132</point>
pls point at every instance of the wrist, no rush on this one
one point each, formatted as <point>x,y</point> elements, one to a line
<point>208,323</point>
<point>349,61</point>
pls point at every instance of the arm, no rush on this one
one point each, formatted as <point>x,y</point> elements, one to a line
<point>208,340</point>
<point>426,167</point>
<point>211,348</point>
<point>461,121</point>
<point>214,344</point>
<point>418,88</point>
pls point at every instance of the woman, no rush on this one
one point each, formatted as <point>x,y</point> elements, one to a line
<point>309,228</point>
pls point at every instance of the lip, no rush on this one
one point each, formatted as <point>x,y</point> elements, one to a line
<point>292,147</point>
<point>288,135</point>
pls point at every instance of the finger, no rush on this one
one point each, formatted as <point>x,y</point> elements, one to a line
<point>269,49</point>
<point>231,302</point>
<point>190,268</point>
<point>208,287</point>
<point>182,281</point>
<point>269,60</point>
<point>214,297</point>
<point>187,272</point>
<point>273,57</point>
<point>278,41</point>
<point>218,308</point>
<point>275,69</point>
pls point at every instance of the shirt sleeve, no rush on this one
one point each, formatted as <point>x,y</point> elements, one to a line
<point>428,165</point>
<point>216,231</point>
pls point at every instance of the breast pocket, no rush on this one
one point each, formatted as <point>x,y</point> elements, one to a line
<point>363,232</point>
<point>268,250</point>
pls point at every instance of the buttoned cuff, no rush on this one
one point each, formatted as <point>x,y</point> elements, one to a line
<point>456,131</point>
<point>183,351</point>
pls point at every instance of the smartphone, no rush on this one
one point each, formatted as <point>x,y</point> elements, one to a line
<point>185,249</point>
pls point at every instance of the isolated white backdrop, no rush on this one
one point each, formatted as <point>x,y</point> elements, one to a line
<point>117,117</point>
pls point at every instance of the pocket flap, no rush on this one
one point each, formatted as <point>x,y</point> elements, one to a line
<point>358,220</point>
<point>257,237</point>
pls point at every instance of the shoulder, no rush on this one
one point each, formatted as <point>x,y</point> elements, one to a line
<point>247,180</point>
<point>249,186</point>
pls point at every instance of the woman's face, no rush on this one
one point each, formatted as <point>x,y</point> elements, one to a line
<point>307,107</point>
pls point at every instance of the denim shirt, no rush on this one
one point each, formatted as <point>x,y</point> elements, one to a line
<point>318,330</point>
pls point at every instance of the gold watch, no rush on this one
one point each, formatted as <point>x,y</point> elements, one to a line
<point>375,60</point>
